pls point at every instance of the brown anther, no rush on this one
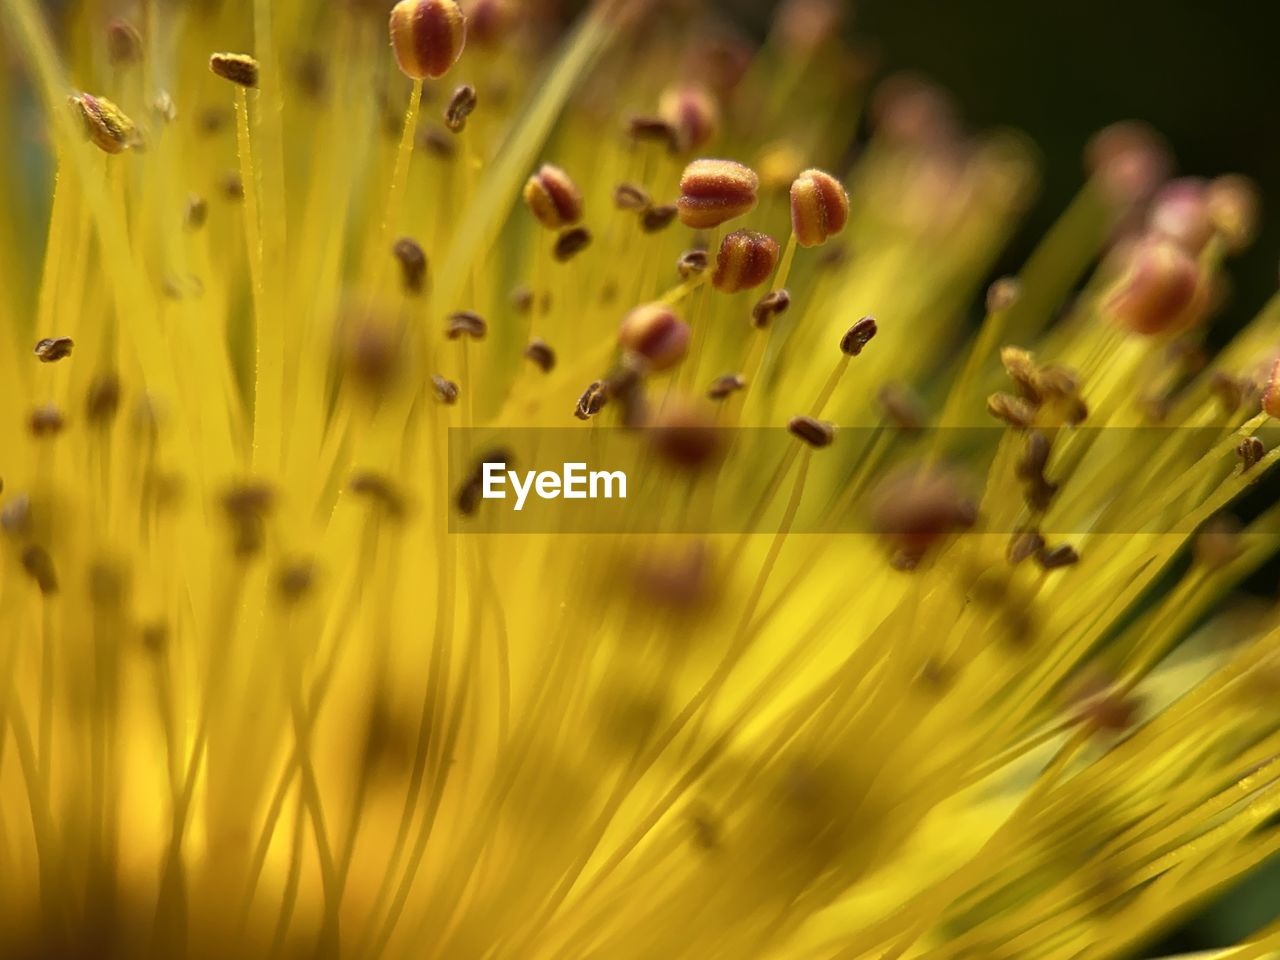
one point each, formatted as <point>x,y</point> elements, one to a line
<point>705,830</point>
<point>1039,494</point>
<point>212,120</point>
<point>1003,294</point>
<point>436,142</point>
<point>1160,292</point>
<point>1024,545</point>
<point>653,332</point>
<point>488,22</point>
<point>39,567</point>
<point>858,336</point>
<point>654,130</point>
<point>311,75</point>
<point>746,259</point>
<point>1014,411</point>
<point>628,196</point>
<point>470,493</point>
<point>1229,391</point>
<point>45,421</point>
<point>592,400</point>
<point>370,350</point>
<point>413,264</point>
<point>1218,542</point>
<point>685,436</point>
<point>251,499</point>
<point>466,323</point>
<point>691,112</point>
<point>553,198</point>
<point>769,307</point>
<point>1103,708</point>
<point>195,214</point>
<point>1250,451</point>
<point>816,433</point>
<point>294,579</point>
<point>541,354</point>
<point>103,399</point>
<point>239,68</point>
<point>725,385</point>
<point>915,507</point>
<point>1128,160</point>
<point>1023,370</point>
<point>819,208</point>
<point>460,106</point>
<point>570,243</point>
<point>427,37</point>
<point>378,489</point>
<point>124,43</point>
<point>446,390</point>
<point>1271,392</point>
<point>715,191</point>
<point>15,516</point>
<point>522,299</point>
<point>691,263</point>
<point>108,583</point>
<point>1232,202</point>
<point>1054,558</point>
<point>625,386</point>
<point>104,123</point>
<point>1035,457</point>
<point>154,637</point>
<point>902,406</point>
<point>657,218</point>
<point>53,348</point>
<point>232,186</point>
<point>1056,381</point>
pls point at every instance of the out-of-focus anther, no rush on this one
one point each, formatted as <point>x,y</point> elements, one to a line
<point>542,356</point>
<point>465,323</point>
<point>570,243</point>
<point>725,385</point>
<point>691,112</point>
<point>657,218</point>
<point>816,433</point>
<point>413,264</point>
<point>769,307</point>
<point>553,198</point>
<point>124,43</point>
<point>654,333</point>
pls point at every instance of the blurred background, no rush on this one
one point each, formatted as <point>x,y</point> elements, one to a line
<point>1205,73</point>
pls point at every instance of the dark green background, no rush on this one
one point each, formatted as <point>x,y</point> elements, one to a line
<point>1206,73</point>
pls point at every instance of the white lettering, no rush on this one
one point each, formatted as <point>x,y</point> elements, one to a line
<point>494,477</point>
<point>607,477</point>
<point>521,491</point>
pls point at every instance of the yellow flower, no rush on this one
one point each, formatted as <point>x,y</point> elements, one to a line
<point>278,676</point>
